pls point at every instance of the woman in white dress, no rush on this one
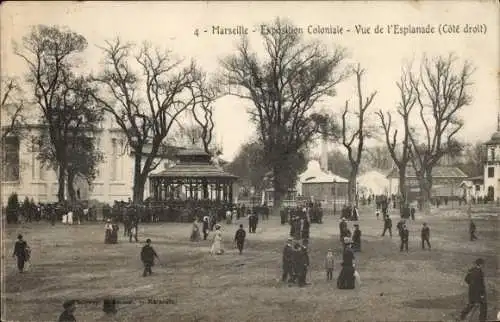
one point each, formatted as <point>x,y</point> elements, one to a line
<point>70,217</point>
<point>217,242</point>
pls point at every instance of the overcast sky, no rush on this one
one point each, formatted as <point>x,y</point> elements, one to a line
<point>171,25</point>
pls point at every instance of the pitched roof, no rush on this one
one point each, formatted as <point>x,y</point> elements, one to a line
<point>437,172</point>
<point>194,170</point>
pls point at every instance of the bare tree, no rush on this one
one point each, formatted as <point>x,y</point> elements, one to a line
<point>50,54</point>
<point>442,91</point>
<point>354,140</point>
<point>283,88</point>
<point>203,111</point>
<point>12,107</point>
<point>144,108</point>
<point>400,153</point>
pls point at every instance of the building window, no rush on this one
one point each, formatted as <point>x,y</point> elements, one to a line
<point>10,159</point>
<point>491,172</point>
<point>492,157</point>
<point>478,187</point>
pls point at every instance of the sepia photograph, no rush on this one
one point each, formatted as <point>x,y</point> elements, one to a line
<point>281,161</point>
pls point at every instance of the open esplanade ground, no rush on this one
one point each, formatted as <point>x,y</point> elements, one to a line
<point>72,262</point>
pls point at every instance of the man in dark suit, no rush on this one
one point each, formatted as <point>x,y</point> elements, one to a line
<point>387,225</point>
<point>301,264</point>
<point>148,256</point>
<point>21,251</point>
<point>239,238</point>
<point>477,291</point>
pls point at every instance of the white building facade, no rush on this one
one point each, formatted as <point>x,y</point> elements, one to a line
<point>492,168</point>
<point>23,173</point>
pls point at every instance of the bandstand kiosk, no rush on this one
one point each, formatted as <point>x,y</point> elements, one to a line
<point>193,187</point>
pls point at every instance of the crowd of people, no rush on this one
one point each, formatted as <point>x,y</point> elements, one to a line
<point>295,257</point>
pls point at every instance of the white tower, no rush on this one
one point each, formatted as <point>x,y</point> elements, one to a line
<point>492,166</point>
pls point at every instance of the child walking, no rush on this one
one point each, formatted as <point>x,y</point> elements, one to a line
<point>329,265</point>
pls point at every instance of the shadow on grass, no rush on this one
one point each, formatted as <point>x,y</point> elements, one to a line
<point>454,302</point>
<point>440,303</point>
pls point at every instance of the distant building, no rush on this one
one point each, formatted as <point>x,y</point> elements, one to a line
<point>492,167</point>
<point>446,182</point>
<point>23,173</point>
<point>320,185</point>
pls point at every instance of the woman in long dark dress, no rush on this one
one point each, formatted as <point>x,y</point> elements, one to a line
<point>346,279</point>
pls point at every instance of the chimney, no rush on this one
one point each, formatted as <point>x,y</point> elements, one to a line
<point>323,161</point>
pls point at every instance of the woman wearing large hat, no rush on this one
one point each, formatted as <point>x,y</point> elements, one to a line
<point>217,242</point>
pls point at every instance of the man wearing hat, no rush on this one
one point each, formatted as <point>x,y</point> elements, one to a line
<point>148,256</point>
<point>67,315</point>
<point>477,291</point>
<point>356,239</point>
<point>287,264</point>
<point>239,238</point>
<point>21,251</point>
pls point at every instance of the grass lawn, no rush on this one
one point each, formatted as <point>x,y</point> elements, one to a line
<point>72,262</point>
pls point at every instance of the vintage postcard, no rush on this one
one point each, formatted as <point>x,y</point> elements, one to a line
<point>250,161</point>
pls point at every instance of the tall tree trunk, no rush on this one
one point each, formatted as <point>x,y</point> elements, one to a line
<point>279,191</point>
<point>61,180</point>
<point>351,188</point>
<point>402,189</point>
<point>138,190</point>
<point>71,189</point>
<point>425,184</point>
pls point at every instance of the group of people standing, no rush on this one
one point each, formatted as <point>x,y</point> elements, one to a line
<point>300,228</point>
<point>216,247</point>
<point>353,238</point>
<point>295,262</point>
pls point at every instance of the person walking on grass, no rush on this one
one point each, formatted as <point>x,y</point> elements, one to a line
<point>472,231</point>
<point>426,235</point>
<point>387,225</point>
<point>148,255</point>
<point>239,238</point>
<point>287,262</point>
<point>405,235</point>
<point>477,291</point>
<point>329,265</point>
<point>22,252</point>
